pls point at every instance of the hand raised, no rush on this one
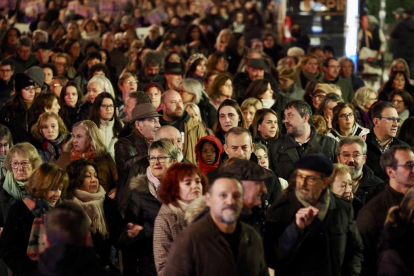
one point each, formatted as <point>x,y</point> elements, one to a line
<point>305,216</point>
<point>133,230</point>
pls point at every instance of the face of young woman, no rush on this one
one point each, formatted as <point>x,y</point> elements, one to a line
<point>48,75</point>
<point>311,66</point>
<point>268,95</point>
<point>221,64</point>
<point>248,115</point>
<point>94,89</point>
<point>227,89</point>
<point>81,139</point>
<point>155,95</point>
<point>90,182</point>
<point>106,111</point>
<point>201,69</point>
<point>263,158</point>
<point>28,93</point>
<point>190,188</point>
<point>347,122</point>
<point>71,96</point>
<point>208,153</point>
<point>399,82</point>
<point>228,118</point>
<point>50,129</point>
<point>55,107</point>
<point>268,127</point>
<point>53,195</point>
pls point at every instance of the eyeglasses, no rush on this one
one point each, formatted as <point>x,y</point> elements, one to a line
<point>345,116</point>
<point>6,145</point>
<point>346,156</point>
<point>129,82</point>
<point>391,119</point>
<point>23,165</point>
<point>56,85</point>
<point>160,159</point>
<point>407,166</point>
<point>319,96</point>
<point>107,106</point>
<point>309,180</point>
<point>333,66</point>
<point>398,101</point>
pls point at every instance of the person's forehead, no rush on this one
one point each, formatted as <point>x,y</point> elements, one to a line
<point>5,67</point>
<point>389,112</point>
<point>333,62</point>
<point>227,109</point>
<point>306,172</point>
<point>172,96</point>
<point>169,132</point>
<point>291,110</point>
<point>404,156</point>
<point>226,185</point>
<point>351,147</point>
<point>238,140</point>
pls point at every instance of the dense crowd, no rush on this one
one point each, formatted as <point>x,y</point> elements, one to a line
<point>208,147</point>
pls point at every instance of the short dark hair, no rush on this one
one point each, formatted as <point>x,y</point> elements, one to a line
<point>10,62</point>
<point>224,175</point>
<point>388,157</point>
<point>95,113</point>
<point>326,61</point>
<point>50,66</point>
<point>406,97</point>
<point>378,107</point>
<point>237,131</point>
<point>67,223</point>
<point>301,106</point>
<point>328,48</point>
<point>99,67</point>
<point>94,55</point>
<point>76,172</point>
<point>42,101</point>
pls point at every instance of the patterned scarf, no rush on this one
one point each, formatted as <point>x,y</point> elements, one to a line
<point>54,147</point>
<point>75,155</point>
<point>39,209</point>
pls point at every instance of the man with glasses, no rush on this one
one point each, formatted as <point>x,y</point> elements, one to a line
<point>332,68</point>
<point>398,163</point>
<point>366,185</point>
<point>310,229</point>
<point>6,80</point>
<point>131,152</point>
<point>383,134</point>
<point>23,58</point>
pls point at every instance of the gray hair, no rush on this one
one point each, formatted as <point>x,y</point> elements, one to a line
<point>348,140</point>
<point>152,57</point>
<point>43,36</point>
<point>238,131</point>
<point>194,87</point>
<point>104,82</point>
<point>362,95</point>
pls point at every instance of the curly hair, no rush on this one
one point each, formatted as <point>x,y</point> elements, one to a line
<point>169,191</point>
<point>38,126</point>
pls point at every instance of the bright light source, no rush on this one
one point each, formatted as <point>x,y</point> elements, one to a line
<point>351,29</point>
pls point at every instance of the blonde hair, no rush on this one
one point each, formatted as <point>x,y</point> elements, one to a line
<point>26,150</point>
<point>339,169</point>
<point>362,95</point>
<point>256,103</point>
<point>195,108</point>
<point>97,145</point>
<point>37,127</point>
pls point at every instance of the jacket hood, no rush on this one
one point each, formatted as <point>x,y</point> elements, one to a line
<point>197,209</point>
<point>139,183</point>
<point>219,147</point>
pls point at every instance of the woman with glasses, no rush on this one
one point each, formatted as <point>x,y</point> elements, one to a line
<point>142,208</point>
<point>17,114</point>
<point>58,82</point>
<point>344,124</point>
<point>104,116</point>
<point>220,89</point>
<point>20,162</point>
<point>398,81</point>
<point>23,239</point>
<point>403,103</point>
<point>87,143</point>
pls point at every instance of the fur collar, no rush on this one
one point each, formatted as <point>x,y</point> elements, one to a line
<point>140,184</point>
<point>196,210</point>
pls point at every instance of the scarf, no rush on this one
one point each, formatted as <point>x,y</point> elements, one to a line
<point>13,187</point>
<point>54,147</point>
<point>310,76</point>
<point>268,103</point>
<point>154,181</point>
<point>39,209</point>
<point>322,205</point>
<point>92,204</point>
<point>75,155</point>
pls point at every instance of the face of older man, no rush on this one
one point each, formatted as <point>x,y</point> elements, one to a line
<point>352,156</point>
<point>254,73</point>
<point>309,185</point>
<point>239,146</point>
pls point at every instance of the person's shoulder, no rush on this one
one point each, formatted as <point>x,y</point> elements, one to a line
<point>376,203</point>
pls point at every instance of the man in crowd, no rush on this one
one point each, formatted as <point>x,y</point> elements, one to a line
<point>23,58</point>
<point>153,40</point>
<point>117,58</point>
<point>170,132</point>
<point>300,140</point>
<point>173,114</point>
<point>131,101</point>
<point>219,244</point>
<point>331,68</point>
<point>173,74</point>
<point>150,71</point>
<point>310,230</point>
<point>398,163</point>
<point>6,80</point>
<point>382,136</point>
<point>42,53</point>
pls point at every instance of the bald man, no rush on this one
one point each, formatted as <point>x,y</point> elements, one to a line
<point>171,133</point>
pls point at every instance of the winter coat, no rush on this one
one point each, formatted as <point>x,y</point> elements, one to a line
<point>15,239</point>
<point>219,150</point>
<point>21,65</point>
<point>294,92</point>
<point>202,250</point>
<point>71,116</point>
<point>357,130</point>
<point>370,222</point>
<point>84,111</point>
<point>168,225</point>
<point>108,174</point>
<point>404,35</point>
<point>346,88</point>
<point>329,247</point>
<point>280,160</point>
<point>209,112</point>
<point>241,82</point>
<point>142,209</point>
<point>50,151</point>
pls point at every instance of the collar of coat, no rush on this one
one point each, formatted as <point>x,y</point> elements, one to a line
<point>290,142</point>
<point>140,183</point>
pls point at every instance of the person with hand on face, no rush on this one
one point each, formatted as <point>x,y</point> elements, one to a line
<point>22,240</point>
<point>208,151</point>
<point>51,132</point>
<point>326,107</point>
<point>87,143</point>
<point>398,81</point>
<point>219,238</point>
<point>301,224</point>
<point>229,115</point>
<point>183,183</point>
<point>143,204</point>
<point>104,221</point>
<point>331,68</point>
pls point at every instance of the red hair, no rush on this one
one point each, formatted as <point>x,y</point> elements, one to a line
<point>170,189</point>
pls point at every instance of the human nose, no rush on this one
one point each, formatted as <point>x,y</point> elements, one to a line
<point>157,124</point>
<point>348,189</point>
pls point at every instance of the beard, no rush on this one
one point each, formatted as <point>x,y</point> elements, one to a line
<point>176,114</point>
<point>230,217</point>
<point>355,170</point>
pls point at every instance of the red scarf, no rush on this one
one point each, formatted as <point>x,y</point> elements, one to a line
<point>75,155</point>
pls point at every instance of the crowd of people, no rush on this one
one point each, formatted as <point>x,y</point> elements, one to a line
<point>207,148</point>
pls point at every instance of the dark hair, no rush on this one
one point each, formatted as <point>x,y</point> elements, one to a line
<point>234,40</point>
<point>213,59</point>
<point>152,57</point>
<point>170,188</point>
<point>10,62</point>
<point>214,91</point>
<point>193,67</point>
<point>95,115</point>
<point>328,48</point>
<point>313,49</point>
<point>93,55</point>
<point>388,157</point>
<point>310,87</point>
<point>393,75</point>
<point>258,119</point>
<point>50,66</point>
<point>42,101</point>
<point>91,44</point>
<point>257,88</point>
<point>188,38</point>
<point>224,175</point>
<point>182,60</point>
<point>406,97</point>
<point>227,102</point>
<point>326,61</point>
<point>76,172</point>
<point>98,67</point>
<point>301,106</point>
<point>337,110</point>
<point>406,131</point>
<point>108,58</point>
<point>63,111</point>
<point>3,43</point>
<point>68,44</point>
<point>378,107</point>
<point>5,133</point>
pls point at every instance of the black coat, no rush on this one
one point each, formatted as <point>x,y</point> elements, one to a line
<point>370,222</point>
<point>331,247</point>
<point>208,112</point>
<point>84,111</point>
<point>241,82</point>
<point>280,161</point>
<point>6,201</point>
<point>142,209</point>
<point>404,35</point>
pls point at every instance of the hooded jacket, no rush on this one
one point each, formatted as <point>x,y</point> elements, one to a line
<point>219,150</point>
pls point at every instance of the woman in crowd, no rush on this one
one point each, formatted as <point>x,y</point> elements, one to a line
<point>406,132</point>
<point>340,182</point>
<point>20,162</point>
<point>64,66</point>
<point>235,51</point>
<point>58,82</point>
<point>52,135</point>
<point>105,223</point>
<point>195,42</point>
<point>272,48</point>
<point>6,142</point>
<point>142,209</point>
<point>364,98</point>
<point>46,102</point>
<point>193,91</point>
<point>395,247</point>
<point>72,47</point>
<point>208,151</point>
<point>90,31</point>
<point>154,92</point>
<point>288,84</point>
<point>229,115</point>
<point>50,72</point>
<point>196,67</point>
<point>134,57</point>
<point>326,107</point>
<point>220,89</point>
<point>17,114</point>
<point>398,81</point>
<point>261,153</point>
<point>249,107</point>
<point>8,42</point>
<point>127,83</point>
<point>309,70</point>
<point>194,111</point>
<point>400,64</point>
<point>223,39</point>
<point>87,143</point>
<point>22,240</point>
<point>344,123</point>
<point>103,114</point>
<point>265,126</point>
<point>175,57</point>
<point>315,93</point>
<point>217,61</point>
<point>347,72</point>
<point>403,103</point>
<point>210,77</point>
<point>183,183</point>
<point>70,101</point>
